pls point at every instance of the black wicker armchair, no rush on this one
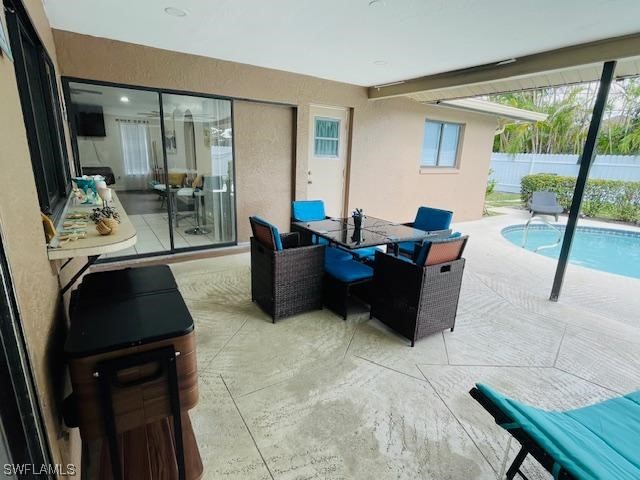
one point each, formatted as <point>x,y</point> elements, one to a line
<point>418,299</point>
<point>286,278</point>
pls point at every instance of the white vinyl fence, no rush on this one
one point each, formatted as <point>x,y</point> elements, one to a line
<point>509,169</point>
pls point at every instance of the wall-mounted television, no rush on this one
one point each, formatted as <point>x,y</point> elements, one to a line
<point>90,121</point>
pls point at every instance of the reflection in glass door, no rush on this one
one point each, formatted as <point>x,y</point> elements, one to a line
<point>199,152</point>
<point>118,135</point>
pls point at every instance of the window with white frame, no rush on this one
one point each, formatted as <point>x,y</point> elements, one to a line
<point>326,137</point>
<point>440,144</point>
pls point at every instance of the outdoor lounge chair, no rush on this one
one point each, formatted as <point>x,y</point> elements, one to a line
<point>600,441</point>
<point>421,298</point>
<point>286,278</point>
<point>544,203</point>
<point>427,219</point>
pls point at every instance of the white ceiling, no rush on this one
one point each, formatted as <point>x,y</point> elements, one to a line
<point>346,40</point>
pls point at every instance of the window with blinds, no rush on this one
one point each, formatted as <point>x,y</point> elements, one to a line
<point>440,144</point>
<point>326,137</point>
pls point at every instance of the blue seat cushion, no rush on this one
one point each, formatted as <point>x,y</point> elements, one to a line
<point>307,210</point>
<point>364,253</point>
<point>593,442</point>
<point>430,219</point>
<point>332,254</point>
<point>349,271</point>
<point>407,247</point>
<point>277,241</point>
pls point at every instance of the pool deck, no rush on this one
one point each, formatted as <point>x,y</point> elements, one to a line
<point>316,397</point>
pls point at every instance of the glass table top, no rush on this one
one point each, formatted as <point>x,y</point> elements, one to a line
<point>375,231</point>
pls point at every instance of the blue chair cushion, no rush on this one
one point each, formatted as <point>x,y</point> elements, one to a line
<point>332,254</point>
<point>364,253</point>
<point>277,241</point>
<point>421,257</point>
<point>593,442</point>
<point>407,247</point>
<point>430,219</point>
<point>349,271</point>
<point>307,210</point>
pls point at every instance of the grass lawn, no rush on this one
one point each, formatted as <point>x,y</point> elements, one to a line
<point>499,199</point>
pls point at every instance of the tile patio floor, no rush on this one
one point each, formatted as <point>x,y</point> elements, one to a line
<point>314,397</point>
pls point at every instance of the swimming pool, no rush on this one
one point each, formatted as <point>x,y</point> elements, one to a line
<point>609,250</point>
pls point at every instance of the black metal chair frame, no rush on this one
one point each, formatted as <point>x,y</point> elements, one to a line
<point>528,443</point>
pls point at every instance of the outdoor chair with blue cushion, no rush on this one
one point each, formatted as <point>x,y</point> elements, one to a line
<point>600,441</point>
<point>286,277</point>
<point>419,298</point>
<point>312,211</point>
<point>308,211</point>
<point>343,279</point>
<point>430,220</point>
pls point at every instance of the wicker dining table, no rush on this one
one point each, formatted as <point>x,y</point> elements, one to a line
<point>373,232</point>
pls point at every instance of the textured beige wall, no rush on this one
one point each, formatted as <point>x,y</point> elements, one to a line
<point>386,179</point>
<point>387,134</point>
<point>34,278</point>
<point>263,157</point>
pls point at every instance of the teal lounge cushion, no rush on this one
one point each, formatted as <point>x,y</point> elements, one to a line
<point>307,210</point>
<point>277,241</point>
<point>594,442</point>
<point>431,219</point>
<point>349,271</point>
<point>332,254</point>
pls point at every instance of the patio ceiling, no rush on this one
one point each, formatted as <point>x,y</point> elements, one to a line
<point>363,42</point>
<point>569,65</point>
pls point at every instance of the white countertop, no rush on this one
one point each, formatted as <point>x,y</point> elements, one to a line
<point>94,243</point>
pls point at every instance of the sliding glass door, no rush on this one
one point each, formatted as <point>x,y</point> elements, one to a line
<point>178,190</point>
<point>199,151</point>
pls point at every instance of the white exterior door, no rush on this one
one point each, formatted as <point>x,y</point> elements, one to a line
<point>328,157</point>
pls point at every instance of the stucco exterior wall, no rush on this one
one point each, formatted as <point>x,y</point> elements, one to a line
<point>387,134</point>
<point>34,278</point>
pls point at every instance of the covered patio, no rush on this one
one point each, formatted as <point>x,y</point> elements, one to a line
<point>316,397</point>
<point>142,335</point>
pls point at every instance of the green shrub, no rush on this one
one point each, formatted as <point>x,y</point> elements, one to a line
<point>491,183</point>
<point>617,198</point>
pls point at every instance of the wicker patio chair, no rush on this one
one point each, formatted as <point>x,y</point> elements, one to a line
<point>430,220</point>
<point>286,278</point>
<point>421,298</point>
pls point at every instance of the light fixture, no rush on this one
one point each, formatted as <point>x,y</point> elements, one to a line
<point>124,99</point>
<point>175,12</point>
<point>379,62</point>
<point>377,3</point>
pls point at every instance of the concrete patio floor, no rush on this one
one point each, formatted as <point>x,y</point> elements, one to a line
<point>316,397</point>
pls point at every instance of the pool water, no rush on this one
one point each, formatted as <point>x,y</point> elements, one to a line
<point>609,250</point>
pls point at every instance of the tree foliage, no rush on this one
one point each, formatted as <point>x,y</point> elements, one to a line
<point>569,113</point>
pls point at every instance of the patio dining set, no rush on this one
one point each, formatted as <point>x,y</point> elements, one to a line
<point>409,274</point>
